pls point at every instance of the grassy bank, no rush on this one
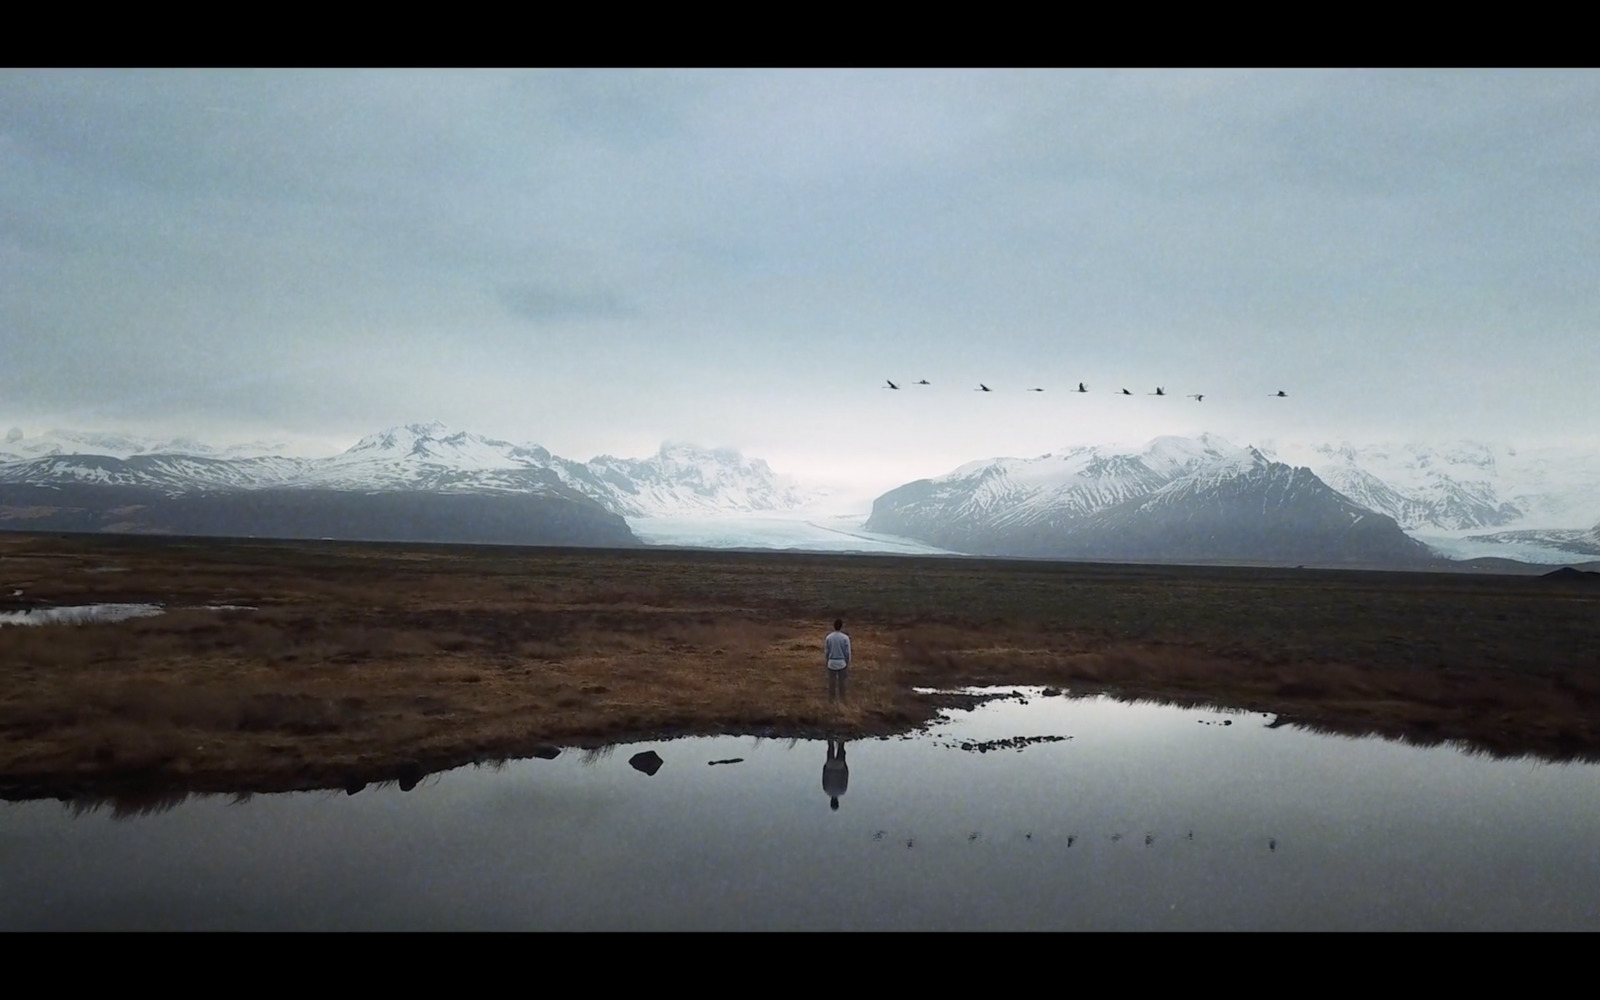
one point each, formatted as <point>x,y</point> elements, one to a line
<point>366,662</point>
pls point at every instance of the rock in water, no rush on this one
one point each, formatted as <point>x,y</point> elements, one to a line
<point>649,762</point>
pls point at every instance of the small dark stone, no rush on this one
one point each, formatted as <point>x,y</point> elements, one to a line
<point>649,762</point>
<point>1227,722</point>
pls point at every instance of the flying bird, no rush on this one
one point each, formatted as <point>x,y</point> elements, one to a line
<point>924,382</point>
<point>982,388</point>
<point>1280,394</point>
<point>1159,391</point>
<point>1126,393</point>
<point>891,385</point>
<point>1082,387</point>
<point>1197,396</point>
<point>1036,390</point>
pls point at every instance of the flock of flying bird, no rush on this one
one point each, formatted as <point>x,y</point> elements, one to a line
<point>1196,396</point>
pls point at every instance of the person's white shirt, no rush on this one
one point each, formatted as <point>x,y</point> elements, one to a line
<point>837,647</point>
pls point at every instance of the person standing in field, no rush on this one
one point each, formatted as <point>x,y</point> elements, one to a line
<point>836,647</point>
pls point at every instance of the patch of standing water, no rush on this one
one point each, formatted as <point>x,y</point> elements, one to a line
<point>1142,820</point>
<point>84,614</point>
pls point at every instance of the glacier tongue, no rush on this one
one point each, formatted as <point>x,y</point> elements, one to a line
<point>784,530</point>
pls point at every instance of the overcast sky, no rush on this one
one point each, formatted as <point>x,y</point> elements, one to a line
<point>599,261</point>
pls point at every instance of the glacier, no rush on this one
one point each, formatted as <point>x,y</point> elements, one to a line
<point>1468,547</point>
<point>787,530</point>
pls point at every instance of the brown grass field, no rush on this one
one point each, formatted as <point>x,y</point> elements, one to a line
<point>371,662</point>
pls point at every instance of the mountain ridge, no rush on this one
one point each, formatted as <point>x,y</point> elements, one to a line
<point>1174,500</point>
<point>1464,499</point>
<point>432,457</point>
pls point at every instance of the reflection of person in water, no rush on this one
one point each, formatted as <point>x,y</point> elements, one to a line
<point>835,774</point>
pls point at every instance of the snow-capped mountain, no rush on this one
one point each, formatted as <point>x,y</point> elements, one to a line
<point>1010,494</point>
<point>679,479</point>
<point>433,458</point>
<point>1460,487</point>
<point>1187,499</point>
<point>17,445</point>
<point>419,483</point>
<point>1462,499</point>
<point>169,473</point>
<point>1240,507</point>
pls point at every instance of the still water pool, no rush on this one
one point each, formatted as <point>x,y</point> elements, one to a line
<point>1133,817</point>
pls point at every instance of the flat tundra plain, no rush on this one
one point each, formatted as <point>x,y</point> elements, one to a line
<point>299,665</point>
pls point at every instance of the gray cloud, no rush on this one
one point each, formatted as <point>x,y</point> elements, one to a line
<point>600,260</point>
<point>542,303</point>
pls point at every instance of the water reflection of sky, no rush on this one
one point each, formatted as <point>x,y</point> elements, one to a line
<point>79,615</point>
<point>1289,830</point>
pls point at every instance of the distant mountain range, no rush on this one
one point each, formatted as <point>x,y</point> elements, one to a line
<point>59,442</point>
<point>417,482</point>
<point>1198,499</point>
<point>678,479</point>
